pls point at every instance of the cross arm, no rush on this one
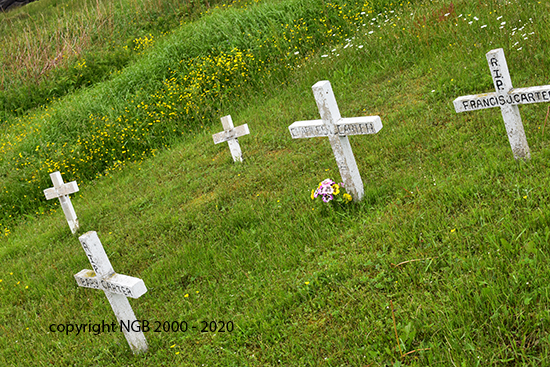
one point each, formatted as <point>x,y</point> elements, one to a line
<point>516,96</point>
<point>344,127</point>
<point>308,129</point>
<point>359,125</point>
<point>231,134</point>
<point>476,102</point>
<point>115,283</point>
<point>65,189</point>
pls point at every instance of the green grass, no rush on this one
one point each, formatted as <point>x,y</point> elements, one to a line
<point>170,91</point>
<point>45,44</point>
<point>452,231</point>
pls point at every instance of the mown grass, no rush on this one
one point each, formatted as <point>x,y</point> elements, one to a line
<point>306,283</point>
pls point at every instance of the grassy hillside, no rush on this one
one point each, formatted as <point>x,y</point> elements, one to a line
<point>173,89</point>
<point>442,263</point>
<point>51,48</point>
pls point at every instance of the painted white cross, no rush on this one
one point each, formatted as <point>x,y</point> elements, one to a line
<point>230,135</point>
<point>116,287</point>
<point>507,98</point>
<point>62,191</point>
<point>336,128</point>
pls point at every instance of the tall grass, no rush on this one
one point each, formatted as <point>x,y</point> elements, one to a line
<point>43,44</point>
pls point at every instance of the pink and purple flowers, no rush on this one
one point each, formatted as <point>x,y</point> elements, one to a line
<point>328,190</point>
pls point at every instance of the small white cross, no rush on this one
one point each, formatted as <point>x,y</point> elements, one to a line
<point>62,191</point>
<point>507,98</point>
<point>116,287</point>
<point>336,128</point>
<point>230,135</point>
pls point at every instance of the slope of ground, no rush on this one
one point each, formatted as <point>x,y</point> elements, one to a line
<point>443,262</point>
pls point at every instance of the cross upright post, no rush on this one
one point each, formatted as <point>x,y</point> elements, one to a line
<point>62,191</point>
<point>116,287</point>
<point>337,129</point>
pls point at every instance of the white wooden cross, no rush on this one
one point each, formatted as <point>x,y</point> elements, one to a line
<point>507,98</point>
<point>230,135</point>
<point>62,191</point>
<point>116,287</point>
<point>336,128</point>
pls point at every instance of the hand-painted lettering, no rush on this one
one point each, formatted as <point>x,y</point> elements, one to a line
<point>94,265</point>
<point>493,61</point>
<point>499,84</point>
<point>524,98</point>
<point>370,128</point>
<point>88,283</point>
<point>302,131</point>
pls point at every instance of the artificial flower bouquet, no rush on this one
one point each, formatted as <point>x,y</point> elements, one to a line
<point>329,190</point>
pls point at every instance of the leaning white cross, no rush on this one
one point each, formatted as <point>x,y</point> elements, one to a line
<point>336,128</point>
<point>230,135</point>
<point>116,287</point>
<point>507,98</point>
<point>62,191</point>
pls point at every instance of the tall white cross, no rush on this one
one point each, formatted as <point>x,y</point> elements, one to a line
<point>116,287</point>
<point>62,191</point>
<point>507,98</point>
<point>337,129</point>
<point>230,135</point>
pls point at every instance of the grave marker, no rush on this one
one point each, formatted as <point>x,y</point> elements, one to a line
<point>62,191</point>
<point>116,287</point>
<point>507,98</point>
<point>337,129</point>
<point>230,135</point>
